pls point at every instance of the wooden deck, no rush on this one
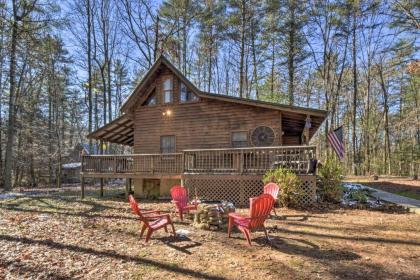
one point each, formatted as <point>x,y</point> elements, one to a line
<point>239,161</point>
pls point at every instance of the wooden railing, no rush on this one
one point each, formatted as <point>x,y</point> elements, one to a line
<point>203,161</point>
<point>248,160</point>
<point>148,164</point>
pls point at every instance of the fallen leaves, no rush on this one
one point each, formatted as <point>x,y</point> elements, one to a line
<point>58,237</point>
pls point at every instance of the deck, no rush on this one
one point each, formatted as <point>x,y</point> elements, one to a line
<point>231,161</point>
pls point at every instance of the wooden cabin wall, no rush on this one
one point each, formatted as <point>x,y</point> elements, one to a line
<point>204,124</point>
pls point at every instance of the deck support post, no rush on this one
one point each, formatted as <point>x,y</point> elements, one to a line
<point>83,187</point>
<point>102,187</point>
<point>126,188</point>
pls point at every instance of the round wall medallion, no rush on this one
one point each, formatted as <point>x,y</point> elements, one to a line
<point>262,136</point>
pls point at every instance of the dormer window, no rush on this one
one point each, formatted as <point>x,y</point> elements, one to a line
<point>167,91</point>
<point>186,95</point>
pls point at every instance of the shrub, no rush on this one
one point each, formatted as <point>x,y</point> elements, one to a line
<point>358,195</point>
<point>290,185</point>
<point>330,175</point>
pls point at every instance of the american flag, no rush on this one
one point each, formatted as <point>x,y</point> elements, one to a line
<point>335,138</point>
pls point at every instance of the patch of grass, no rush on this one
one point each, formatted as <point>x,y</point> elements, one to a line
<point>143,254</point>
<point>296,262</point>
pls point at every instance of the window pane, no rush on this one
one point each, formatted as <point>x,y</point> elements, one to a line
<point>167,144</point>
<point>167,84</point>
<point>239,136</point>
<point>240,139</point>
<point>183,96</point>
<point>168,96</point>
<point>186,95</point>
<point>151,100</point>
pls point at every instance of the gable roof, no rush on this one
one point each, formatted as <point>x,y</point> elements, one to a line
<point>162,60</point>
<point>136,92</point>
<point>121,130</point>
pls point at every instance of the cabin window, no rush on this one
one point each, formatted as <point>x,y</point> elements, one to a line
<point>239,139</point>
<point>186,94</point>
<point>167,144</point>
<point>151,100</point>
<point>167,91</point>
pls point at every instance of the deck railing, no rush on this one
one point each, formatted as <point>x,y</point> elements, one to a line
<point>248,160</point>
<point>147,164</point>
<point>203,161</point>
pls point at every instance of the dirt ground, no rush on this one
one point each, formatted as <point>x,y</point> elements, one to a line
<point>402,186</point>
<point>59,236</point>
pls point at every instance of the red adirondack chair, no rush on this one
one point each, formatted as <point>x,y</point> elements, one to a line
<point>272,189</point>
<point>260,208</point>
<point>179,196</point>
<point>152,220</point>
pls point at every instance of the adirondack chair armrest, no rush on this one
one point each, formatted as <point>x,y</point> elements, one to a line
<point>159,216</point>
<point>238,216</point>
<point>150,212</point>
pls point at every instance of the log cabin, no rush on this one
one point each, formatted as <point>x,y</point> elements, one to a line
<point>218,146</point>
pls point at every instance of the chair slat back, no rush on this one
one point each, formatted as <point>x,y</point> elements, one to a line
<point>136,209</point>
<point>260,208</point>
<point>179,194</point>
<point>272,189</point>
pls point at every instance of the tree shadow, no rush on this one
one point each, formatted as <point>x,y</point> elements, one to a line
<point>94,210</point>
<point>350,271</point>
<point>322,227</point>
<point>110,254</point>
<point>180,243</point>
<point>76,214</point>
<point>358,238</point>
<point>296,218</point>
<point>295,246</point>
<point>26,270</point>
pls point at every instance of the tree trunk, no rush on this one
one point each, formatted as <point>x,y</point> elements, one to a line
<point>254,62</point>
<point>50,144</point>
<point>354,103</point>
<point>210,62</point>
<point>12,94</point>
<point>242,50</point>
<point>89,62</point>
<point>156,41</point>
<point>291,54</point>
<point>367,125</point>
<point>387,154</point>
<point>184,46</point>
<point>273,61</point>
<point>2,47</point>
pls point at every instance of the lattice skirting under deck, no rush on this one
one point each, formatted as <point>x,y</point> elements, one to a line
<point>238,189</point>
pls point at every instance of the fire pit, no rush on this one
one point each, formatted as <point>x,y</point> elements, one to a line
<point>212,214</point>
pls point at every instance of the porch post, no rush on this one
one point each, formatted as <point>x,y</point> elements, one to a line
<point>305,132</point>
<point>83,187</point>
<point>82,179</point>
<point>126,188</point>
<point>102,187</point>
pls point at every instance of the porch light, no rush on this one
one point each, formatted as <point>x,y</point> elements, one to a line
<point>167,113</point>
